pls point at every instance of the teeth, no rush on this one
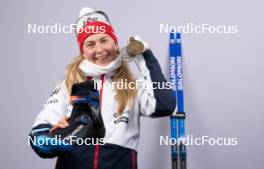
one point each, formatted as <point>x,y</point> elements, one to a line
<point>102,57</point>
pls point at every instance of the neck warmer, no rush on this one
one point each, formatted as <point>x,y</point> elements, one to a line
<point>92,70</point>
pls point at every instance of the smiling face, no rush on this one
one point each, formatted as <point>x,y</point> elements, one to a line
<point>100,49</point>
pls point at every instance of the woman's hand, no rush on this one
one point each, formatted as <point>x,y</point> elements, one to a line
<point>146,46</point>
<point>63,123</point>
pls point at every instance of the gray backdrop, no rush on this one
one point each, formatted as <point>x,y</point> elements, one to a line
<point>223,75</point>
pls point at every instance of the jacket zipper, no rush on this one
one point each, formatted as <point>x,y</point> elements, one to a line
<point>96,151</point>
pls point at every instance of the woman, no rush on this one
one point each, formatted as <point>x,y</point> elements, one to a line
<point>120,108</point>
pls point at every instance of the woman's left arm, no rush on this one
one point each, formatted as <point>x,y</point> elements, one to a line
<point>156,101</point>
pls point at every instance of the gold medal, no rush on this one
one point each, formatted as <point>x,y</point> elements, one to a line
<point>134,47</point>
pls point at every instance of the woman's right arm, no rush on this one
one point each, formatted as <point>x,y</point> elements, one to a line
<point>54,110</point>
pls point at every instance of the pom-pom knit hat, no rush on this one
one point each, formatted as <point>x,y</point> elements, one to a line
<point>92,22</point>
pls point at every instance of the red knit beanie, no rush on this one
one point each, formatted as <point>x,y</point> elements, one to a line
<point>92,22</point>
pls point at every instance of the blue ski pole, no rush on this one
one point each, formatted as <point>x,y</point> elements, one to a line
<point>178,151</point>
<point>174,135</point>
<point>180,115</point>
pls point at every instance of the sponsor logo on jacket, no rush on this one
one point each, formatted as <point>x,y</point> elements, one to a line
<point>123,118</point>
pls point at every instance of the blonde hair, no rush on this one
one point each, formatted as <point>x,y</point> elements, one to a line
<point>124,96</point>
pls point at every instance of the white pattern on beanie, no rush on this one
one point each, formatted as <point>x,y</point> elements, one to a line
<point>86,14</point>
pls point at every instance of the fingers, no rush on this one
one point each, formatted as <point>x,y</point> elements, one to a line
<point>146,46</point>
<point>63,123</point>
<point>55,127</point>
